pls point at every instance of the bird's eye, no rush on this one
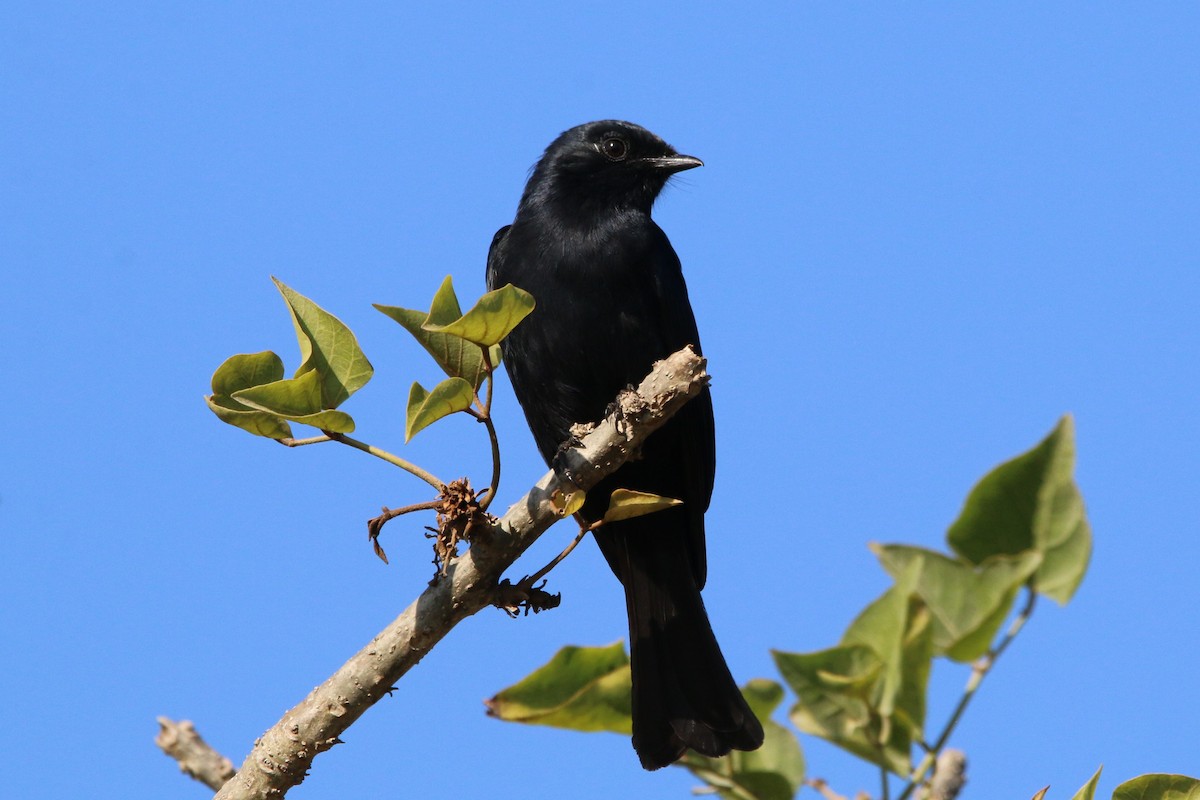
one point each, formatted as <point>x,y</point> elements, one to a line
<point>614,148</point>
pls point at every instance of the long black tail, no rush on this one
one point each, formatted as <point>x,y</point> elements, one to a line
<point>683,694</point>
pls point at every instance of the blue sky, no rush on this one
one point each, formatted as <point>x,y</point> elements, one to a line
<point>921,235</point>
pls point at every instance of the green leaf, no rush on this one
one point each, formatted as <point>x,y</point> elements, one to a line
<point>627,504</point>
<point>896,628</point>
<point>241,372</point>
<point>916,664</point>
<point>327,347</point>
<point>1088,790</point>
<point>298,400</point>
<point>868,694</point>
<point>259,423</point>
<point>245,370</point>
<point>968,603</point>
<point>1159,787</point>
<point>491,318</point>
<point>457,357</point>
<point>1031,503</point>
<point>425,408</point>
<point>834,688</point>
<point>775,771</point>
<point>580,688</point>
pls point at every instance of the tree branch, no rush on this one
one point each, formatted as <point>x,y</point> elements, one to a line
<point>282,756</point>
<point>196,757</point>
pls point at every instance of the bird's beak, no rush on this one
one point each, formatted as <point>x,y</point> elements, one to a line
<point>673,164</point>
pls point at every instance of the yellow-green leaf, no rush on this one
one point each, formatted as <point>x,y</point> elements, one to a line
<point>425,408</point>
<point>259,423</point>
<point>243,371</point>
<point>580,688</point>
<point>298,400</point>
<point>327,347</point>
<point>627,504</point>
<point>457,357</point>
<point>491,318</point>
<point>1159,787</point>
<point>1088,790</point>
<point>290,397</point>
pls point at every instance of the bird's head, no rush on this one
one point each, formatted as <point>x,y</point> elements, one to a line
<point>605,164</point>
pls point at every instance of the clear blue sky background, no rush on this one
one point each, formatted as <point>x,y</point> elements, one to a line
<point>922,234</point>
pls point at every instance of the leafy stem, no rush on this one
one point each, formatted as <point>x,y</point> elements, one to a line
<point>979,670</point>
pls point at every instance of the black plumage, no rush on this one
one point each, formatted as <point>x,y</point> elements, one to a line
<point>611,300</point>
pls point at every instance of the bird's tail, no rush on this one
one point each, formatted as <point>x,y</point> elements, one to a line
<point>683,693</point>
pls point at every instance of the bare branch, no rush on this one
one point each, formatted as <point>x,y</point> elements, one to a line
<point>949,776</point>
<point>282,756</point>
<point>196,757</point>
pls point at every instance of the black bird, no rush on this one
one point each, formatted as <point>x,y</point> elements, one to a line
<point>611,300</point>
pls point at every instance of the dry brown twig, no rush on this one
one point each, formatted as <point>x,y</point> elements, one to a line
<point>282,756</point>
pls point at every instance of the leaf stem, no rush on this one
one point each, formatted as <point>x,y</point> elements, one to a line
<point>491,429</point>
<point>391,458</point>
<point>290,442</point>
<point>495,484</point>
<point>979,671</point>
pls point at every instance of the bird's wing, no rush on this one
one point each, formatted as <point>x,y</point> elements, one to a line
<point>692,432</point>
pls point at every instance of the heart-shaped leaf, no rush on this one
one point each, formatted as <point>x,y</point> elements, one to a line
<point>327,347</point>
<point>457,357</point>
<point>296,399</point>
<point>580,688</point>
<point>1031,502</point>
<point>491,318</point>
<point>243,371</point>
<point>425,408</point>
<point>1158,787</point>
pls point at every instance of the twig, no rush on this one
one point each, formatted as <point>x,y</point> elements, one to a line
<point>717,782</point>
<point>391,458</point>
<point>282,756</point>
<point>375,524</point>
<point>541,573</point>
<point>822,786</point>
<point>290,442</point>
<point>196,757</point>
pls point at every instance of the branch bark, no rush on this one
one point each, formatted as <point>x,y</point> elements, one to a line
<point>196,757</point>
<point>282,756</point>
